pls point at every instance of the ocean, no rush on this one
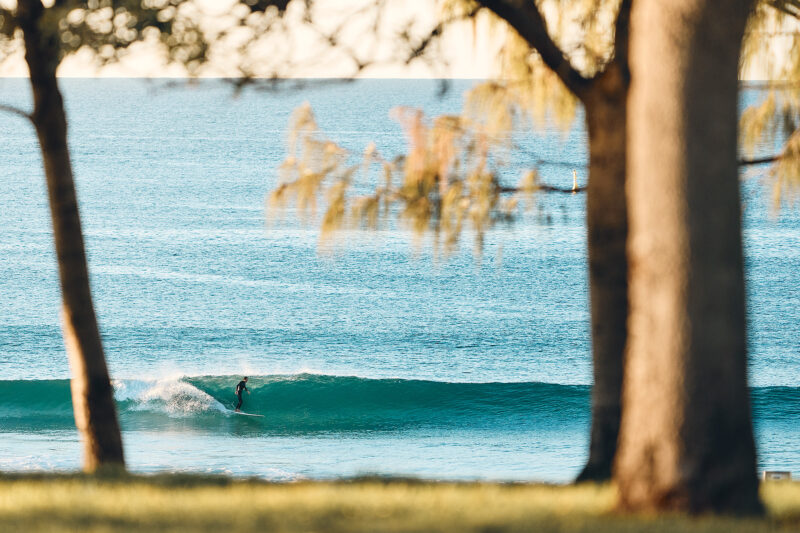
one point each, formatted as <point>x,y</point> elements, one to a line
<point>377,356</point>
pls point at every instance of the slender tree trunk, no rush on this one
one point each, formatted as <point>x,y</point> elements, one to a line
<point>92,394</point>
<point>607,228</point>
<point>686,439</point>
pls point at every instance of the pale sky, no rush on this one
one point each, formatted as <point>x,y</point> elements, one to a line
<point>466,50</point>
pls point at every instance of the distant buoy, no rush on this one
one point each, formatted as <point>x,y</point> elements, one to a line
<point>574,180</point>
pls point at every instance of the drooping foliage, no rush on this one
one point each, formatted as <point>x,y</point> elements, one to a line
<point>525,93</point>
<point>524,86</point>
<point>448,179</point>
<point>445,182</point>
<point>770,129</point>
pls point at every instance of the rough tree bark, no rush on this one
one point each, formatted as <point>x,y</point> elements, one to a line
<point>604,98</point>
<point>92,394</point>
<point>686,438</point>
<point>607,232</point>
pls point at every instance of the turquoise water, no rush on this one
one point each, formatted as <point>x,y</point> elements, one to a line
<point>376,359</point>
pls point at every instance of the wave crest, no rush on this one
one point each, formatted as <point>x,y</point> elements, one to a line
<point>309,404</point>
<point>172,396</point>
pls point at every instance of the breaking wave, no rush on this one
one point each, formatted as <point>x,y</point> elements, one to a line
<point>309,403</point>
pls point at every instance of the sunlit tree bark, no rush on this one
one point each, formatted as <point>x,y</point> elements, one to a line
<point>92,394</point>
<point>607,231</point>
<point>686,439</point>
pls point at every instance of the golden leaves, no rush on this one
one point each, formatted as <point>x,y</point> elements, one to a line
<point>774,120</point>
<point>771,49</point>
<point>309,163</point>
<point>786,171</point>
<point>758,124</point>
<point>446,182</point>
<point>524,89</point>
<point>442,185</point>
<point>762,126</point>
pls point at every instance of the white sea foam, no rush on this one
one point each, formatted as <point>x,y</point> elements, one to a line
<point>170,395</point>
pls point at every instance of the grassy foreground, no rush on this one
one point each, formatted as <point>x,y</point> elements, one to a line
<point>185,503</point>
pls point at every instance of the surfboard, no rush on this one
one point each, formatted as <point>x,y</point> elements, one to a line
<point>246,414</point>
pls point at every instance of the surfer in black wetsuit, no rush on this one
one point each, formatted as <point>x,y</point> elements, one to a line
<point>242,386</point>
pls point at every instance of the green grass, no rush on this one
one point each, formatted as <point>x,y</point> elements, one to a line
<point>185,503</point>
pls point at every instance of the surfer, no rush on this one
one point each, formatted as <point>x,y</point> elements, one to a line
<point>242,386</point>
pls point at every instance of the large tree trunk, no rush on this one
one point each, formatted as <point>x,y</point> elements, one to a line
<point>92,394</point>
<point>686,438</point>
<point>607,228</point>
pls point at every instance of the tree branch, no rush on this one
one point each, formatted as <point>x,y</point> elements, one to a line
<point>760,160</point>
<point>770,84</point>
<point>621,29</point>
<point>541,187</point>
<point>616,68</point>
<point>16,111</point>
<point>789,7</point>
<point>8,23</point>
<point>527,20</point>
<point>424,43</point>
<point>420,48</point>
